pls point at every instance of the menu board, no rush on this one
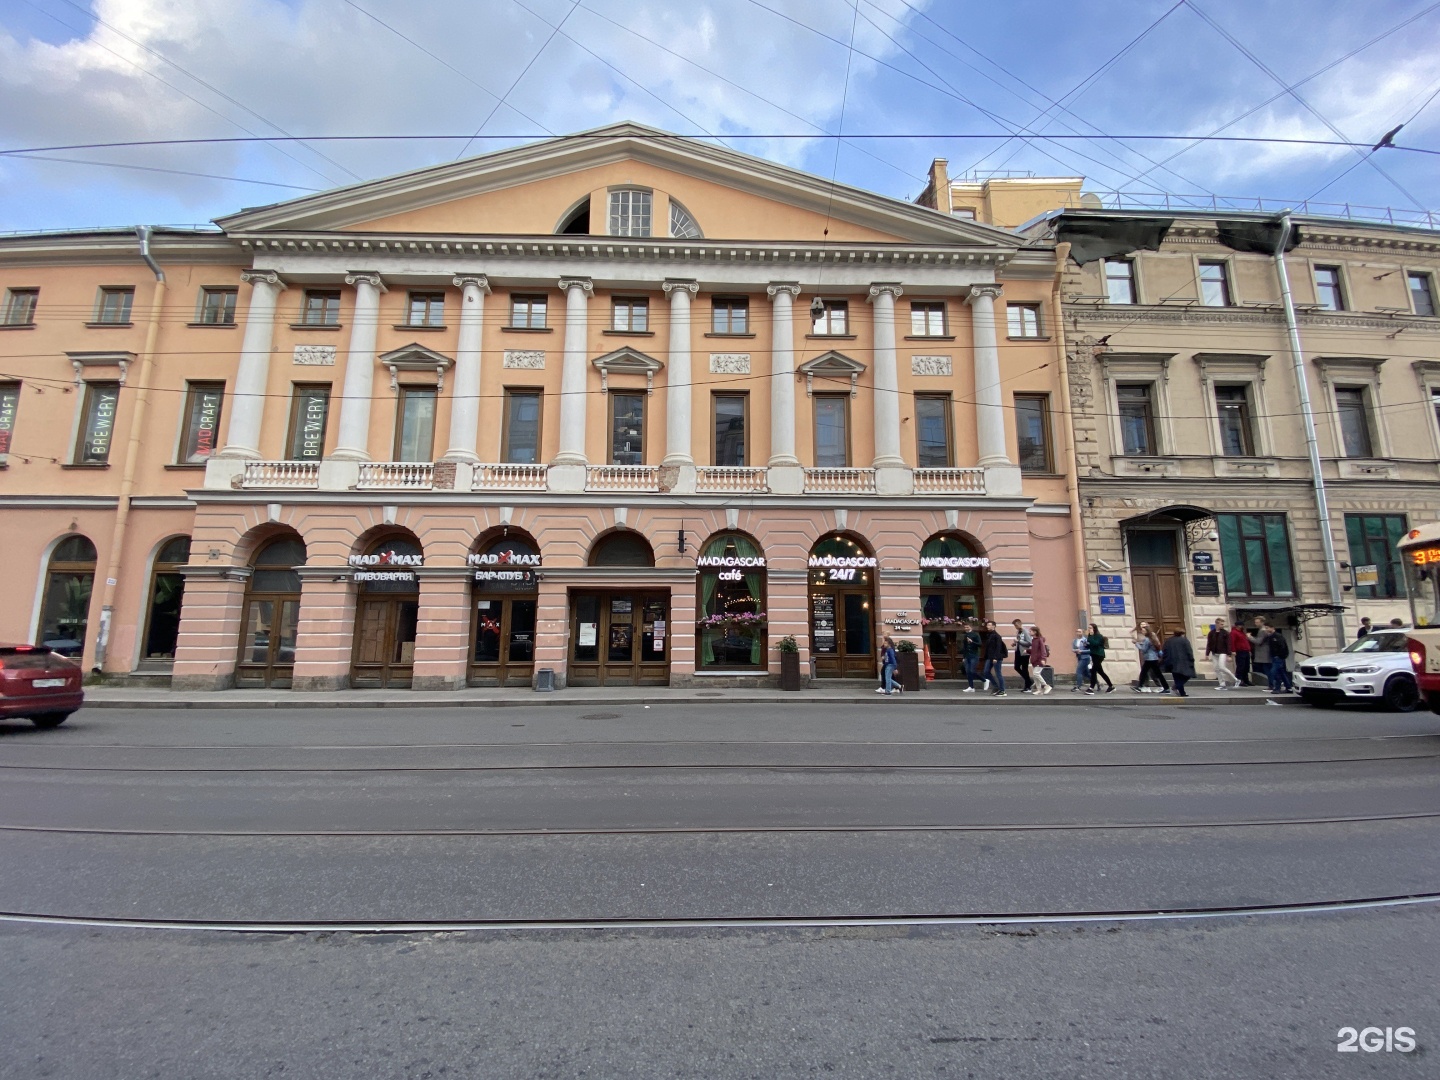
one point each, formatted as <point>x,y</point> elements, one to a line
<point>822,623</point>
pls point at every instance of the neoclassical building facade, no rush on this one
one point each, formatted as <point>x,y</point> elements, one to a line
<point>609,408</point>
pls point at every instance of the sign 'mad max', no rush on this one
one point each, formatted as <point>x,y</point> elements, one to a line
<point>385,566</point>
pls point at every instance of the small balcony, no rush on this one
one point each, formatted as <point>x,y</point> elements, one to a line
<point>622,478</point>
<point>501,477</point>
<point>289,475</point>
<point>396,476</point>
<point>731,480</point>
<point>840,481</point>
<point>949,481</point>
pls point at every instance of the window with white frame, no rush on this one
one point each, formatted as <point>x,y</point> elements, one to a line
<point>1023,320</point>
<point>630,212</point>
<point>1136,406</point>
<point>682,225</point>
<point>1120,281</point>
<point>1214,283</point>
<point>927,318</point>
<point>1329,293</point>
<point>1422,292</point>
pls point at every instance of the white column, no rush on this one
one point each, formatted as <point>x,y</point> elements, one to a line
<point>567,469</point>
<point>247,405</point>
<point>887,378</point>
<point>782,372</point>
<point>678,375</point>
<point>465,407</point>
<point>353,442</point>
<point>1002,476</point>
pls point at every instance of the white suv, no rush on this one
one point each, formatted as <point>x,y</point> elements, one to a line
<point>1375,667</point>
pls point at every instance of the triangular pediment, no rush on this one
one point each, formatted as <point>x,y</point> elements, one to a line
<point>832,365</point>
<point>530,190</point>
<point>628,361</point>
<point>415,355</point>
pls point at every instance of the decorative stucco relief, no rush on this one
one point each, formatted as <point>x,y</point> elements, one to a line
<point>524,358</point>
<point>730,363</point>
<point>315,355</point>
<point>931,365</point>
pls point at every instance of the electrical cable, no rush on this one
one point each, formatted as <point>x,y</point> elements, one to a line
<point>171,172</point>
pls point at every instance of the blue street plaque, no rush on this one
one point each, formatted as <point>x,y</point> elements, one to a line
<point>1111,583</point>
<point>1202,559</point>
<point>1112,605</point>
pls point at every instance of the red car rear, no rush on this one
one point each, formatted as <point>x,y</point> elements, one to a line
<point>39,683</point>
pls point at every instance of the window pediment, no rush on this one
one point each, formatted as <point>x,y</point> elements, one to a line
<point>830,365</point>
<point>416,357</point>
<point>627,362</point>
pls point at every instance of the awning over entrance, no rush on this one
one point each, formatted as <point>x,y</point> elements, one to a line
<point>1176,514</point>
<point>1300,613</point>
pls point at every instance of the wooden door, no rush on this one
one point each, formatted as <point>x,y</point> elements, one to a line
<point>1159,598</point>
<point>383,654</point>
<point>267,641</point>
<point>502,641</point>
<point>842,633</point>
<point>620,639</point>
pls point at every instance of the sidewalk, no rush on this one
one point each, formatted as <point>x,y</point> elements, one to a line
<point>847,693</point>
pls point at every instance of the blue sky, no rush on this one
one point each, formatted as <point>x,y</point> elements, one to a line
<point>744,71</point>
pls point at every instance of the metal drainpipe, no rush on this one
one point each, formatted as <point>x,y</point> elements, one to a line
<point>1077,524</point>
<point>1297,358</point>
<point>132,451</point>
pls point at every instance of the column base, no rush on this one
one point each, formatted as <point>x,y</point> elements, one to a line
<point>467,456</point>
<point>894,480</point>
<point>786,479</point>
<point>224,473</point>
<point>1004,480</point>
<point>339,474</point>
<point>565,477</point>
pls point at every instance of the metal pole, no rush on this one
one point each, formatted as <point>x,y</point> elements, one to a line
<point>1322,505</point>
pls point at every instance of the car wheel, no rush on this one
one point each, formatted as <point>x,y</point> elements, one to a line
<point>49,720</point>
<point>1401,694</point>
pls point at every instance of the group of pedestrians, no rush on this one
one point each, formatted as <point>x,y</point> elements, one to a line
<point>1262,649</point>
<point>984,652</point>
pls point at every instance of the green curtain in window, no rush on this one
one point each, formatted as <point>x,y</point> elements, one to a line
<point>742,547</point>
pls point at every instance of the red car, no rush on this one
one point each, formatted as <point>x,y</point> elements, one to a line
<point>37,682</point>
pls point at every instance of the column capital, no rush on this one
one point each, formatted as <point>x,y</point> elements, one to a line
<point>261,277</point>
<point>879,288</point>
<point>775,287</point>
<point>369,277</point>
<point>989,291</point>
<point>480,281</point>
<point>672,285</point>
<point>585,284</point>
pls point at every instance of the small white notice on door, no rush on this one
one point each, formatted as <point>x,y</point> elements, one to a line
<point>587,633</point>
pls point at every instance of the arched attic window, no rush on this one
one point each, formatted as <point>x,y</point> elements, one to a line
<point>577,222</point>
<point>683,225</point>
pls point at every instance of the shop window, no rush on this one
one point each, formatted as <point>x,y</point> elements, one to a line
<point>627,428</point>
<point>520,439</point>
<point>202,422</point>
<point>69,580</point>
<point>630,213</point>
<point>112,306</point>
<point>309,414</point>
<point>1137,419</point>
<point>730,315</point>
<point>1032,433</point>
<point>425,309</point>
<point>1214,284</point>
<point>1353,412</point>
<point>321,308</point>
<point>927,318</point>
<point>1120,281</point>
<point>527,312</point>
<point>167,592</point>
<point>622,548</point>
<point>630,314</point>
<point>9,406</point>
<point>1255,549</point>
<point>1372,539</point>
<point>832,434</point>
<point>932,431</point>
<point>729,417</point>
<point>732,620</point>
<point>20,306</point>
<point>415,424</point>
<point>217,306</point>
<point>271,617</point>
<point>97,423</point>
<point>1232,405</point>
<point>831,319</point>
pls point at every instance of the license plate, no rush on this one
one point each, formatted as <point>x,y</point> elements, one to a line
<point>41,684</point>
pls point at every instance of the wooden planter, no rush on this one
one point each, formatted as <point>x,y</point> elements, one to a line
<point>910,670</point>
<point>789,671</point>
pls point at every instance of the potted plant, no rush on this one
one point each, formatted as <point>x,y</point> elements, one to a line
<point>909,657</point>
<point>789,662</point>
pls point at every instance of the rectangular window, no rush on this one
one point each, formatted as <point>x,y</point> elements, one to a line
<point>1255,549</point>
<point>425,309</point>
<point>309,413</point>
<point>630,213</point>
<point>1232,404</point>
<point>1032,432</point>
<point>415,427</point>
<point>527,312</point>
<point>9,406</point>
<point>729,412</point>
<point>1137,419</point>
<point>1024,319</point>
<point>20,306</point>
<point>1372,539</point>
<point>835,319</point>
<point>1422,293</point>
<point>1214,285</point>
<point>520,441</point>
<point>627,428</point>
<point>322,307</point>
<point>730,315</point>
<point>1120,281</point>
<point>97,423</point>
<point>1435,403</point>
<point>113,305</point>
<point>630,314</point>
<point>932,431</point>
<point>832,431</point>
<point>217,306</point>
<point>927,318</point>
<point>202,422</point>
<point>1353,411</point>
<point>1328,293</point>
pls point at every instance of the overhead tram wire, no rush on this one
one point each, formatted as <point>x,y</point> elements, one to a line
<point>171,172</point>
<point>1379,145</point>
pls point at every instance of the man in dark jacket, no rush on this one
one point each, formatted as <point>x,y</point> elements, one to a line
<point>972,644</point>
<point>1217,649</point>
<point>1180,661</point>
<point>994,658</point>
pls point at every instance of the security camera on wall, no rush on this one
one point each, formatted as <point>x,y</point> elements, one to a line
<point>1101,564</point>
<point>1212,536</point>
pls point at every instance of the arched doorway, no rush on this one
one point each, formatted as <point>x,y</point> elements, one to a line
<point>730,609</point>
<point>951,591</point>
<point>502,613</point>
<point>271,614</point>
<point>620,636</point>
<point>842,608</point>
<point>387,612</point>
<point>69,580</point>
<point>167,591</point>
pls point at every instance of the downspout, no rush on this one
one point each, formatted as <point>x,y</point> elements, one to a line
<point>132,451</point>
<point>1072,461</point>
<point>1297,359</point>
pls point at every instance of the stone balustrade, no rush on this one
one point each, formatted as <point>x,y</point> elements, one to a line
<point>396,476</point>
<point>622,478</point>
<point>840,481</point>
<point>736,479</point>
<point>293,475</point>
<point>507,477</point>
<point>950,481</point>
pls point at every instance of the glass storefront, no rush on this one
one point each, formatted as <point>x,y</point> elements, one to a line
<point>842,608</point>
<point>69,580</point>
<point>731,620</point>
<point>951,591</point>
<point>271,615</point>
<point>387,610</point>
<point>502,634</point>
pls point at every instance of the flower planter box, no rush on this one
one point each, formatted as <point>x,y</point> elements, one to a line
<point>789,671</point>
<point>910,671</point>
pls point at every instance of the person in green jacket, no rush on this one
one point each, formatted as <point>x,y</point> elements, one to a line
<point>1098,643</point>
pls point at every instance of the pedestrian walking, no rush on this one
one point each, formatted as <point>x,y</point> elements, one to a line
<point>1279,664</point>
<point>1081,648</point>
<point>1262,641</point>
<point>1180,660</point>
<point>972,644</point>
<point>1148,646</point>
<point>1098,643</point>
<point>1217,651</point>
<point>1039,657</point>
<point>1240,650</point>
<point>1021,660</point>
<point>993,656</point>
<point>889,664</point>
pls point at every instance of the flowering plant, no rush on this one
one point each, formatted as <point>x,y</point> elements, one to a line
<point>941,620</point>
<point>741,620</point>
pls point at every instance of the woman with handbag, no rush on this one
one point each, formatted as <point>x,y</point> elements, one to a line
<point>1148,646</point>
<point>1039,657</point>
